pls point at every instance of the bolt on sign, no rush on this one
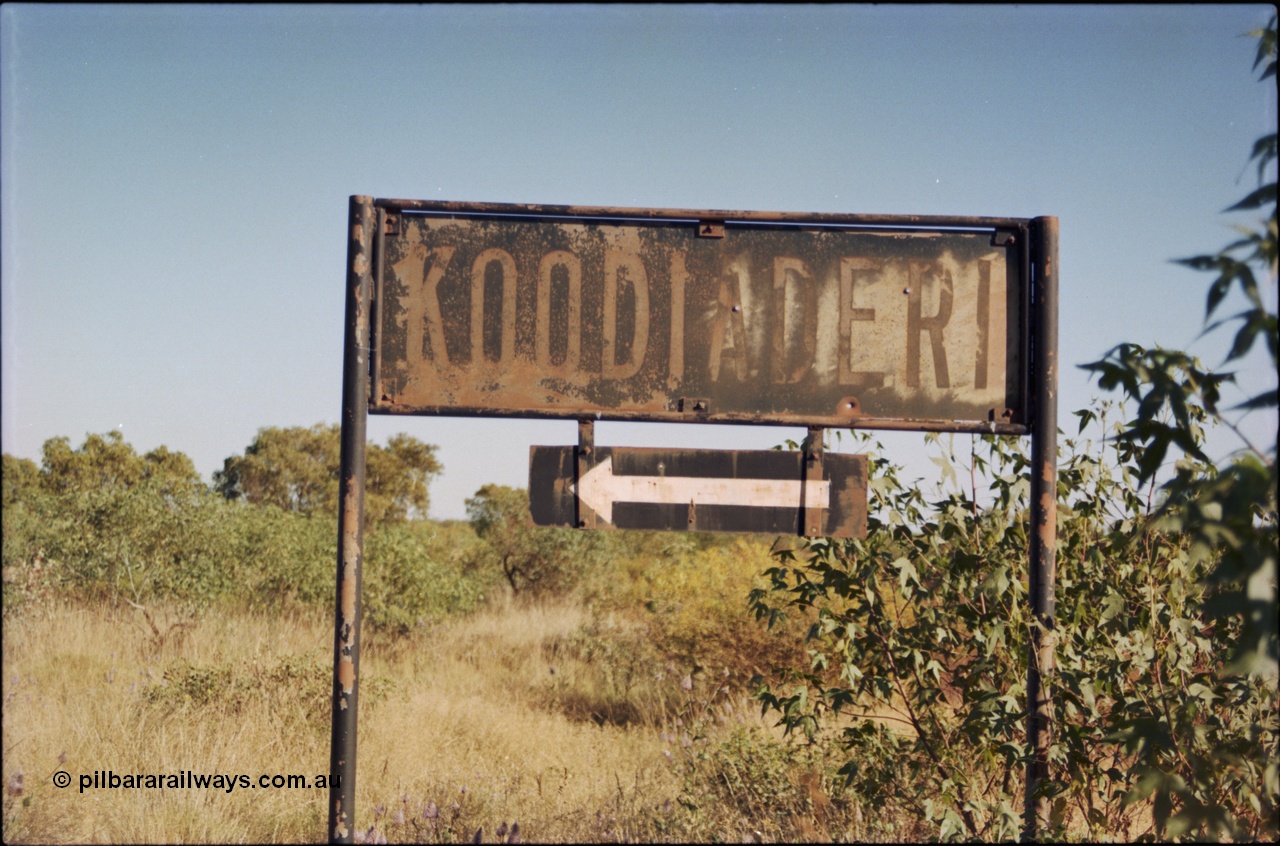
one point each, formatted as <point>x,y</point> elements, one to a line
<point>798,323</point>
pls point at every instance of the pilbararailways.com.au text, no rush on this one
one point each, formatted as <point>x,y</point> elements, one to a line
<point>188,780</point>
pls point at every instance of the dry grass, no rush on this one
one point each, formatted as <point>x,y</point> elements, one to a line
<point>75,683</point>
<point>459,720</point>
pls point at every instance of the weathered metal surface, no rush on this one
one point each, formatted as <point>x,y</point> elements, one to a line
<point>768,491</point>
<point>1042,552</point>
<point>703,216</point>
<point>351,482</point>
<point>700,320</point>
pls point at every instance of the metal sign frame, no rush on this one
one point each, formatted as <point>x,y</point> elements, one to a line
<point>775,318</point>
<point>370,220</point>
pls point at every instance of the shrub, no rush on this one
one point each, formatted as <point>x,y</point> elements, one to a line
<point>925,624</point>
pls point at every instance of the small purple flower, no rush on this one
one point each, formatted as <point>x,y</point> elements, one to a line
<point>514,836</point>
<point>430,811</point>
<point>399,817</point>
<point>686,683</point>
<point>14,785</point>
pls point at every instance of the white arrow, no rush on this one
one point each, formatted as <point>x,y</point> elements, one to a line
<point>600,489</point>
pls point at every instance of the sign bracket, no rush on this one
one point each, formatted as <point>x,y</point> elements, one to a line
<point>812,512</point>
<point>584,456</point>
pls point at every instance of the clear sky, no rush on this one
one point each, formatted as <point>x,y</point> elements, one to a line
<point>175,178</point>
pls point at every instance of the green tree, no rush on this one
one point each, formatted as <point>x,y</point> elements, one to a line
<point>397,477</point>
<point>19,478</point>
<point>107,463</point>
<point>1166,705</point>
<point>296,469</point>
<point>112,523</point>
<point>532,559</point>
<point>1228,518</point>
<point>1231,514</point>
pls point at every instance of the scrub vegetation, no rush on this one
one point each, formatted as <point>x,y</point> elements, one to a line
<point>534,684</point>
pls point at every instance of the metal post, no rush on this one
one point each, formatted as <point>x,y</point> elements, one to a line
<point>586,459</point>
<point>1044,521</point>
<point>811,513</point>
<point>346,630</point>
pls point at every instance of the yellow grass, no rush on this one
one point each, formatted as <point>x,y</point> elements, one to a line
<point>456,717</point>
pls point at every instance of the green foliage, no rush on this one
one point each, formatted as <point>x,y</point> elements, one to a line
<point>397,477</point>
<point>534,560</point>
<point>19,479</point>
<point>417,573</point>
<point>921,626</point>
<point>611,674</point>
<point>296,469</point>
<point>1165,685</point>
<point>1233,514</point>
<point>112,523</point>
<point>102,523</point>
<point>1198,759</point>
<point>918,639</point>
<point>107,463</point>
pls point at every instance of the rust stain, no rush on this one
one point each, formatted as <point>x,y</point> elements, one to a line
<point>346,675</point>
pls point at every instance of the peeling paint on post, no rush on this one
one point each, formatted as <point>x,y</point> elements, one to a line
<point>346,636</point>
<point>1041,573</point>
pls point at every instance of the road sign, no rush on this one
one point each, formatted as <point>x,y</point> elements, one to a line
<point>505,311</point>
<point>928,324</point>
<point>768,491</point>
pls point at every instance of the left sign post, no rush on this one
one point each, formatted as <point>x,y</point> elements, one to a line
<point>362,221</point>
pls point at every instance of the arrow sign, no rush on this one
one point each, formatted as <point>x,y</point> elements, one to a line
<point>600,489</point>
<point>697,490</point>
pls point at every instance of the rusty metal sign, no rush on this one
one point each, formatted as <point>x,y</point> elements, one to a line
<point>753,321</point>
<point>820,320</point>
<point>770,491</point>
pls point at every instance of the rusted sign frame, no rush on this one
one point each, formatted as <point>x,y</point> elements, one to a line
<point>369,219</point>
<point>1008,233</point>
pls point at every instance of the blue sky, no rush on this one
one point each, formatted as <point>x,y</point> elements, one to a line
<point>175,178</point>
